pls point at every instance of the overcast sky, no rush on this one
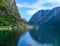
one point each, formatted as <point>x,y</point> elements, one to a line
<point>28,7</point>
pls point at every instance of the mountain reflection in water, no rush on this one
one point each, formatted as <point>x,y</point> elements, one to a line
<point>26,40</point>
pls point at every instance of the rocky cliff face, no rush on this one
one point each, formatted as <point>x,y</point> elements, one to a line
<point>12,5</point>
<point>11,25</point>
<point>9,10</point>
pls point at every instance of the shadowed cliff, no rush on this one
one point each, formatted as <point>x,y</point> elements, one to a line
<point>48,23</point>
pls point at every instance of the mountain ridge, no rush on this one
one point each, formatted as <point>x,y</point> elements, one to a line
<point>48,26</point>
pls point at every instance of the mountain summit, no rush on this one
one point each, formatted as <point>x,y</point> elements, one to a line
<point>48,22</point>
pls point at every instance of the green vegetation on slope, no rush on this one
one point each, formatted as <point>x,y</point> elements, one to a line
<point>7,16</point>
<point>0,1</point>
<point>10,19</point>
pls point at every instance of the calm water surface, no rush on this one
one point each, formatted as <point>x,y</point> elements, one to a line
<point>26,40</point>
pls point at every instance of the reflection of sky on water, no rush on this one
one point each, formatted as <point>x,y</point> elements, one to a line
<point>26,40</point>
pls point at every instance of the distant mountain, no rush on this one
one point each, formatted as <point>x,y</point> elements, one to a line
<point>47,24</point>
<point>38,16</point>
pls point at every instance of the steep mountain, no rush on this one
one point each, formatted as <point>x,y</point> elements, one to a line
<point>38,16</point>
<point>12,26</point>
<point>9,11</point>
<point>47,23</point>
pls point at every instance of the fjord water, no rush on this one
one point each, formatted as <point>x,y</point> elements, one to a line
<point>28,40</point>
<point>47,31</point>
